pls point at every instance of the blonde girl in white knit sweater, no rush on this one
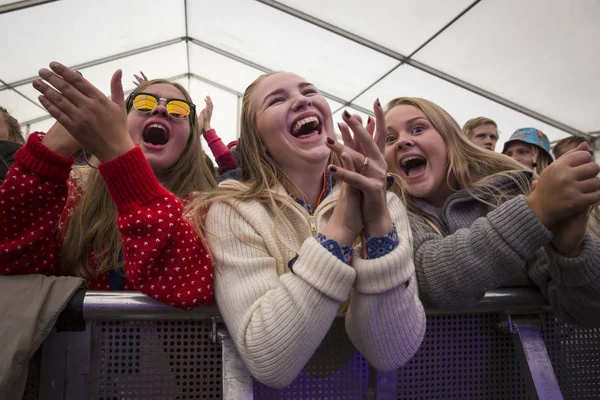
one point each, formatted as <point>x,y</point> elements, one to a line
<point>282,237</point>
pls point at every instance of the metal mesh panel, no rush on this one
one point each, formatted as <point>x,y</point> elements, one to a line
<point>463,357</point>
<point>335,372</point>
<point>575,355</point>
<point>468,356</point>
<point>32,386</point>
<point>155,360</point>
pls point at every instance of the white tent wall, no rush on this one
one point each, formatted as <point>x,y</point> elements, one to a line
<point>521,63</point>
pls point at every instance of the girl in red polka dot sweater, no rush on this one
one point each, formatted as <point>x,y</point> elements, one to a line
<point>116,225</point>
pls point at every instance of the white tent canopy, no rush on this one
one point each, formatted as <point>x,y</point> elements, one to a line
<point>520,62</point>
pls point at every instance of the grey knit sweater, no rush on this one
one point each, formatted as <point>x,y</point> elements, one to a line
<point>482,248</point>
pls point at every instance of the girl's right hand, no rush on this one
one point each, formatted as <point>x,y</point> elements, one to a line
<point>346,223</point>
<point>98,123</point>
<point>566,187</point>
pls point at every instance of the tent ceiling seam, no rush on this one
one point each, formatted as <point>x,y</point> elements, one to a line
<point>408,58</point>
<point>423,67</point>
<point>19,5</point>
<point>102,60</point>
<point>187,43</point>
<point>22,95</point>
<point>265,70</point>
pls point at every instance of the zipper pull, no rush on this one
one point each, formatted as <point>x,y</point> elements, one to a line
<point>313,224</point>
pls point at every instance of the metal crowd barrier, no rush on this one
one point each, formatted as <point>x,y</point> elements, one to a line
<point>117,346</point>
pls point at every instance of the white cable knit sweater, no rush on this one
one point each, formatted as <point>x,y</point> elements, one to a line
<point>278,318</point>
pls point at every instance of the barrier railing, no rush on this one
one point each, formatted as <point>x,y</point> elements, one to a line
<point>124,345</point>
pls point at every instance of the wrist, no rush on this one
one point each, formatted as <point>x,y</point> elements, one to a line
<point>571,251</point>
<point>340,235</point>
<point>59,146</point>
<point>116,151</point>
<point>546,219</point>
<point>380,228</point>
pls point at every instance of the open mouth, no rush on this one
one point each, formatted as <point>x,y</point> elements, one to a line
<point>156,134</point>
<point>413,165</point>
<point>306,127</point>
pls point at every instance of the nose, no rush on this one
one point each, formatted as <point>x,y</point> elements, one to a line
<point>404,142</point>
<point>160,109</point>
<point>301,102</point>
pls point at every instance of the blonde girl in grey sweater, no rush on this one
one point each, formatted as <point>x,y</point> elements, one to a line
<point>477,224</point>
<point>282,238</point>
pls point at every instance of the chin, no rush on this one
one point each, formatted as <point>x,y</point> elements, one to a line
<point>319,154</point>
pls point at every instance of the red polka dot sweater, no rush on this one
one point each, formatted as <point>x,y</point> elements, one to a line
<point>163,256</point>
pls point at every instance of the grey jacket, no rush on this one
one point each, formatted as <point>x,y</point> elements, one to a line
<point>482,248</point>
<point>29,307</point>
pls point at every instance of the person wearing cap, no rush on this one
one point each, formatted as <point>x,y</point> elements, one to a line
<point>530,147</point>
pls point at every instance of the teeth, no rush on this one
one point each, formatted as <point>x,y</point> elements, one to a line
<point>303,121</point>
<point>407,159</point>
<point>157,126</point>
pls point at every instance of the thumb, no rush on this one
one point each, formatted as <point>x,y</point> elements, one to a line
<point>116,89</point>
<point>585,146</point>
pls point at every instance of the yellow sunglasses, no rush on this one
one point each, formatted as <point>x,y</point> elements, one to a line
<point>146,102</point>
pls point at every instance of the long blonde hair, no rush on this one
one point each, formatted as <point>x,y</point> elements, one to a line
<point>260,173</point>
<point>93,223</point>
<point>474,170</point>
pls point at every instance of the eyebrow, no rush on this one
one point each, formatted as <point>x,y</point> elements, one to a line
<point>275,92</point>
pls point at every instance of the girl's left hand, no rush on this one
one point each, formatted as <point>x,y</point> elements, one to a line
<point>370,169</point>
<point>96,122</point>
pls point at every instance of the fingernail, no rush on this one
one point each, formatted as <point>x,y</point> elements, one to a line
<point>368,119</point>
<point>347,114</point>
<point>339,126</point>
<point>378,103</point>
<point>330,141</point>
<point>54,65</point>
<point>37,83</point>
<point>43,100</point>
<point>332,169</point>
<point>79,73</point>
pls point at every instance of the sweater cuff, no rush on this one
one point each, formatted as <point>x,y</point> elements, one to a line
<point>42,161</point>
<point>324,271</point>
<point>516,223</point>
<point>379,246</point>
<point>385,273</point>
<point>210,136</point>
<point>580,270</point>
<point>130,180</point>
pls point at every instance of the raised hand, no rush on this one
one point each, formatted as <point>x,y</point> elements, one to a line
<point>139,79</point>
<point>205,116</point>
<point>96,122</point>
<point>568,186</point>
<point>364,168</point>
